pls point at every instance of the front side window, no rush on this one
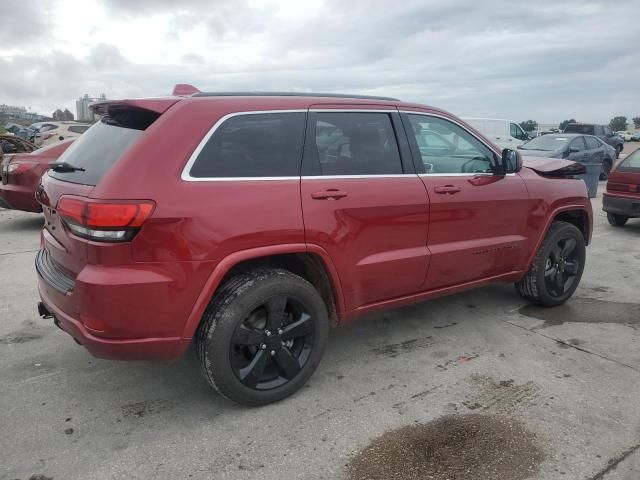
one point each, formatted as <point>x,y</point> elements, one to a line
<point>592,143</point>
<point>517,132</point>
<point>356,143</point>
<point>447,148</point>
<point>253,145</point>
<point>577,144</point>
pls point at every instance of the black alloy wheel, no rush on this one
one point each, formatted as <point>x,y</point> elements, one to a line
<point>262,336</point>
<point>562,267</point>
<point>272,344</point>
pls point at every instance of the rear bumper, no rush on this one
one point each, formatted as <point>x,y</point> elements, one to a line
<point>18,197</point>
<point>120,349</point>
<point>628,207</point>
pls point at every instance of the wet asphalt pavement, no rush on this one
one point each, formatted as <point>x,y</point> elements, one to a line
<point>564,383</point>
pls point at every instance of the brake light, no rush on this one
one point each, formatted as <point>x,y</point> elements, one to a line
<point>104,221</point>
<point>19,167</point>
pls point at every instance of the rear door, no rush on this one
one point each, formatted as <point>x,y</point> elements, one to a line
<point>477,225</point>
<point>363,202</point>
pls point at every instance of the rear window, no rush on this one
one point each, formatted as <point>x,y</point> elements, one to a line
<point>576,128</point>
<point>253,145</point>
<point>631,163</point>
<point>103,143</point>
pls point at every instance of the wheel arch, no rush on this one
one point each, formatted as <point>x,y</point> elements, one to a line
<point>310,262</point>
<point>576,215</point>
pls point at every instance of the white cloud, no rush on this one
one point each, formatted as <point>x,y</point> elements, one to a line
<point>541,60</point>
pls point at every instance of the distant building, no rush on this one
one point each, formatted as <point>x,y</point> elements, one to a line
<point>10,110</point>
<point>61,116</point>
<point>84,114</point>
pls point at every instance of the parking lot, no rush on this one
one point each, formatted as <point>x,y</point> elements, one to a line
<point>570,375</point>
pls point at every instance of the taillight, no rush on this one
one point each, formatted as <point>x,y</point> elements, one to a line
<point>104,221</point>
<point>19,167</point>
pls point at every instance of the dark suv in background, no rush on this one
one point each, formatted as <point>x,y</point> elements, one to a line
<point>604,133</point>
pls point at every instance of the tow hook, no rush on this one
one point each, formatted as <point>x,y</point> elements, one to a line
<point>43,311</point>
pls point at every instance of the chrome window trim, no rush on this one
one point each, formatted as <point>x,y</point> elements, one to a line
<point>346,177</point>
<point>353,110</point>
<point>186,175</point>
<point>477,174</point>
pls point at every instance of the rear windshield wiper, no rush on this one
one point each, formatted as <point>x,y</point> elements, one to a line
<point>64,167</point>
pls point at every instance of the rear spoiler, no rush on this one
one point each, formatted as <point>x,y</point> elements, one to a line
<point>158,105</point>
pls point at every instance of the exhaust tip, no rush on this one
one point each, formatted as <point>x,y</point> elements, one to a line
<point>43,311</point>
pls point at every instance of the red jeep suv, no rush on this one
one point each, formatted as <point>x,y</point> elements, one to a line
<point>250,223</point>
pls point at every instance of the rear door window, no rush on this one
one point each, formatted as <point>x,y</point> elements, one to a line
<point>102,144</point>
<point>253,145</point>
<point>356,143</point>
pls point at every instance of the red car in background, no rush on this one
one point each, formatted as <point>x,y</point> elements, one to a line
<point>20,175</point>
<point>621,201</point>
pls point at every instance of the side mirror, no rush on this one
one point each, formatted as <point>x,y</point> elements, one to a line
<point>511,161</point>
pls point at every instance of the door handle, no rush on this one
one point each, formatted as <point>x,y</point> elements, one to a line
<point>447,189</point>
<point>330,194</point>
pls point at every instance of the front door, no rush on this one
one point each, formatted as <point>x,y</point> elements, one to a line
<point>363,203</point>
<point>477,226</point>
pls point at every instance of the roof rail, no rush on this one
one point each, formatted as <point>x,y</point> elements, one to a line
<point>292,94</point>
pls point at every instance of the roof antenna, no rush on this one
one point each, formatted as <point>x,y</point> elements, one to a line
<point>184,90</point>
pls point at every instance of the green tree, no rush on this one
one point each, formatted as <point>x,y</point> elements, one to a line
<point>618,123</point>
<point>564,124</point>
<point>529,125</point>
<point>636,122</point>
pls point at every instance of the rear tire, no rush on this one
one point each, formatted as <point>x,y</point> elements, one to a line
<point>262,336</point>
<point>557,267</point>
<point>617,220</point>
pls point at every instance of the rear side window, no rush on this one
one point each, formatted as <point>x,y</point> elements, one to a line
<point>102,144</point>
<point>253,145</point>
<point>355,143</point>
<point>631,163</point>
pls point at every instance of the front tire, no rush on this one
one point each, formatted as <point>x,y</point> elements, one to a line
<point>557,267</point>
<point>616,220</point>
<point>262,336</point>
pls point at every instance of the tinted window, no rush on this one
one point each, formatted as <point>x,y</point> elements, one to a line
<point>78,128</point>
<point>578,128</point>
<point>98,149</point>
<point>631,163</point>
<point>578,144</point>
<point>253,145</point>
<point>592,143</point>
<point>356,144</point>
<point>517,132</point>
<point>546,143</point>
<point>447,148</point>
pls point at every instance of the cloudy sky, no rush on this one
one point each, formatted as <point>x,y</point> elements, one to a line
<point>545,60</point>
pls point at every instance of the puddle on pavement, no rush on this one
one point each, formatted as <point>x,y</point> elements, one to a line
<point>465,447</point>
<point>585,310</point>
